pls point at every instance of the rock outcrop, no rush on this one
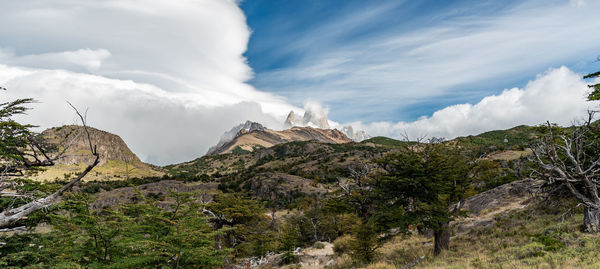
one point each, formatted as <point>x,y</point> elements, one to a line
<point>117,161</point>
<point>109,146</point>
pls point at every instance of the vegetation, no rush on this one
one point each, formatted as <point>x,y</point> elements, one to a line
<point>595,93</point>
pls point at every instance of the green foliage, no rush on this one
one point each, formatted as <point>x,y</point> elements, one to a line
<point>143,235</point>
<point>433,176</point>
<point>365,243</point>
<point>288,242</point>
<point>514,138</point>
<point>386,141</point>
<point>595,94</point>
<point>245,226</point>
<point>14,136</point>
<point>239,150</point>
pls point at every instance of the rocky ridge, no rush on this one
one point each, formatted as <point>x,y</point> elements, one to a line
<point>116,161</point>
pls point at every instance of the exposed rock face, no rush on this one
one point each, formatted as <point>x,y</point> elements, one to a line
<point>267,138</point>
<point>310,118</point>
<point>291,121</point>
<point>319,120</point>
<point>483,207</point>
<point>117,162</point>
<point>109,146</point>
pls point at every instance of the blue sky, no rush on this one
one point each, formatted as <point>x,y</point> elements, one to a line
<point>367,77</point>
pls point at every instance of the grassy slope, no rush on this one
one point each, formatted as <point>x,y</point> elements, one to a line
<point>112,170</point>
<point>534,237</point>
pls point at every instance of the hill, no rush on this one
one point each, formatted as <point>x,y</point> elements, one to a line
<point>117,161</point>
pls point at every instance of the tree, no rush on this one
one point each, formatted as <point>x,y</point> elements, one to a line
<point>150,234</point>
<point>595,94</point>
<point>359,191</point>
<point>570,158</point>
<point>243,221</point>
<point>434,178</point>
<point>22,150</point>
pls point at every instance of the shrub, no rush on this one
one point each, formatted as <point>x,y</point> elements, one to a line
<point>343,244</point>
<point>318,245</point>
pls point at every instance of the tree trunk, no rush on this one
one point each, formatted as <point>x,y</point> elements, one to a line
<point>591,220</point>
<point>441,238</point>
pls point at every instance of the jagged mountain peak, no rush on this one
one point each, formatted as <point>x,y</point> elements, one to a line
<point>310,118</point>
<point>236,131</point>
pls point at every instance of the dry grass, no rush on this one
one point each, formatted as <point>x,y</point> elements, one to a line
<point>508,155</point>
<point>521,239</point>
<point>112,170</point>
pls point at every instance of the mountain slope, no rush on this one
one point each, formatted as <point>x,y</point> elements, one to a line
<point>248,141</point>
<point>117,161</point>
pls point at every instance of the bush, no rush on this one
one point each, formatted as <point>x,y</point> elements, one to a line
<point>318,245</point>
<point>343,244</point>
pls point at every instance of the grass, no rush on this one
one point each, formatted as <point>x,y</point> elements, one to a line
<point>112,170</point>
<point>526,238</point>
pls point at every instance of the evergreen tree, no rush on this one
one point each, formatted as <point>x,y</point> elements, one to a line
<point>595,94</point>
<point>434,178</point>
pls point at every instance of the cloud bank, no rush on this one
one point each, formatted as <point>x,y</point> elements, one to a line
<point>558,96</point>
<point>167,76</point>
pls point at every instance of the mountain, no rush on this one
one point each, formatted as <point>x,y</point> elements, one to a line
<point>248,126</point>
<point>248,141</point>
<point>310,118</point>
<point>318,119</point>
<point>117,161</point>
<point>357,136</point>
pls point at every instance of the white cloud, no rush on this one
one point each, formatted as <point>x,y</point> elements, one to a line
<point>168,76</point>
<point>577,3</point>
<point>558,96</point>
<point>90,60</point>
<point>161,127</point>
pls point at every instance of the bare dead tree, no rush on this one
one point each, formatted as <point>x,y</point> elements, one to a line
<point>572,159</point>
<point>37,153</point>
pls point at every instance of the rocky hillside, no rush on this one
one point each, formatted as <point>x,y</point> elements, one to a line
<point>117,161</point>
<point>250,140</point>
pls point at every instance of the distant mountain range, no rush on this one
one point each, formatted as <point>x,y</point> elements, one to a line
<point>257,136</point>
<point>250,135</point>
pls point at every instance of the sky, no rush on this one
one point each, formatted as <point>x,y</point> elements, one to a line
<point>170,77</point>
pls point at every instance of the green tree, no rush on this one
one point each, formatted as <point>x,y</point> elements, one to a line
<point>435,178</point>
<point>148,234</point>
<point>364,195</point>
<point>595,94</point>
<point>246,227</point>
